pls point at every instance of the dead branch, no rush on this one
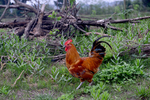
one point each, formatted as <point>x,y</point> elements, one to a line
<point>76,26</point>
<point>17,79</point>
<point>10,6</point>
<point>7,6</point>
<point>20,32</point>
<point>145,51</point>
<point>27,29</point>
<point>58,57</point>
<point>2,65</point>
<point>13,24</point>
<point>38,30</point>
<point>115,28</point>
<point>129,20</point>
<point>26,6</point>
<point>146,31</point>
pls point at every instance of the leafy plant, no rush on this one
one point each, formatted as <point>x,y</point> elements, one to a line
<point>23,55</point>
<point>98,92</point>
<point>105,96</point>
<point>66,97</point>
<point>119,73</point>
<point>143,92</point>
<point>54,73</point>
<point>117,87</point>
<point>59,74</point>
<point>5,90</point>
<point>44,97</point>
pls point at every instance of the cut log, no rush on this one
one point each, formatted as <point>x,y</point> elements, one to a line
<point>38,29</point>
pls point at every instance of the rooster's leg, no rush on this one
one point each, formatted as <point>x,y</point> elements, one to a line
<point>90,83</point>
<point>79,85</point>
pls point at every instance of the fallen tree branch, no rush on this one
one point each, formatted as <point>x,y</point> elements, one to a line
<point>145,33</point>
<point>129,20</point>
<point>76,26</point>
<point>26,6</point>
<point>5,10</point>
<point>58,57</point>
<point>17,79</point>
<point>10,6</point>
<point>27,29</point>
<point>13,24</point>
<point>115,28</point>
<point>133,50</point>
<point>38,30</point>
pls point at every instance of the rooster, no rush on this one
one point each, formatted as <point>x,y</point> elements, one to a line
<point>84,68</point>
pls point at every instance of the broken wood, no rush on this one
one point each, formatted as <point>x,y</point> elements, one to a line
<point>37,29</point>
<point>13,24</point>
<point>7,6</point>
<point>129,20</point>
<point>17,79</point>
<point>28,28</point>
<point>26,6</point>
<point>134,51</point>
<point>2,65</point>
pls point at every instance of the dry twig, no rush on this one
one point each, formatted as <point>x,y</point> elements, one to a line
<point>5,10</point>
<point>17,79</point>
<point>2,65</point>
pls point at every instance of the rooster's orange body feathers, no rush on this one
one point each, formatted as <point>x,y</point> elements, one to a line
<point>84,67</point>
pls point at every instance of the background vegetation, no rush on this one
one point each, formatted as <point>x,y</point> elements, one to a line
<point>98,8</point>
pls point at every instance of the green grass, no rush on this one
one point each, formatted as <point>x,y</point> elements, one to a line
<point>120,77</point>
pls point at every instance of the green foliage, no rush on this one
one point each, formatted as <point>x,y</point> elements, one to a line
<point>117,9</point>
<point>54,16</point>
<point>143,92</point>
<point>59,3</point>
<point>125,12</point>
<point>98,92</point>
<point>117,87</point>
<point>59,74</point>
<point>66,97</point>
<point>136,6</point>
<point>22,55</point>
<point>71,2</point>
<point>40,73</point>
<point>119,72</point>
<point>4,90</point>
<point>93,12</point>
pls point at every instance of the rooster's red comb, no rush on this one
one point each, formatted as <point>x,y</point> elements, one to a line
<point>68,41</point>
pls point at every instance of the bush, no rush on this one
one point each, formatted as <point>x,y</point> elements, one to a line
<point>119,73</point>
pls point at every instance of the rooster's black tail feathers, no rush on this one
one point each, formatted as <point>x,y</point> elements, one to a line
<point>98,49</point>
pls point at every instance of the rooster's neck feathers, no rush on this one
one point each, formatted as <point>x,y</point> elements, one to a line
<point>72,55</point>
